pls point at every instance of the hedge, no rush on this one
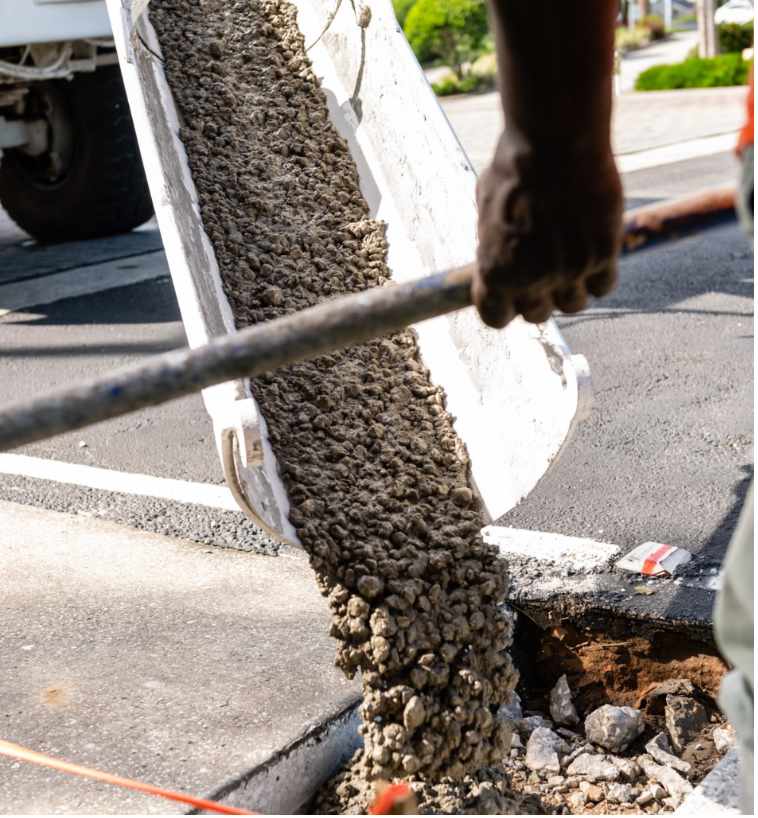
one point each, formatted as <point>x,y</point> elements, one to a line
<point>735,37</point>
<point>726,69</point>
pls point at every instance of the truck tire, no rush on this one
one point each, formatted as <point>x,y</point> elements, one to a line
<point>89,182</point>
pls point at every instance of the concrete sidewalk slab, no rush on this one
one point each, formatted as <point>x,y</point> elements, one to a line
<point>150,657</point>
<point>641,121</point>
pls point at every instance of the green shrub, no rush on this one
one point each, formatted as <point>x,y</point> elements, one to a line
<point>471,83</point>
<point>735,37</point>
<point>402,7</point>
<point>629,39</point>
<point>654,25</point>
<point>453,30</point>
<point>726,69</point>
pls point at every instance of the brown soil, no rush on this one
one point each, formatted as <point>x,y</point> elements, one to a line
<point>378,481</point>
<point>605,668</point>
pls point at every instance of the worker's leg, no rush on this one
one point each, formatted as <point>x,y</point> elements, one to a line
<point>733,621</point>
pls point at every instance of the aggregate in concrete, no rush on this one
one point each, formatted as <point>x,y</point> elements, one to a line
<point>151,657</point>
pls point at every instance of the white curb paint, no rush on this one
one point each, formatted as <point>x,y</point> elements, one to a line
<point>95,278</point>
<point>679,152</point>
<point>580,554</point>
<point>140,485</point>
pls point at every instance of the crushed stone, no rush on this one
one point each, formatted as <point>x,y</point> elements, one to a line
<point>378,481</point>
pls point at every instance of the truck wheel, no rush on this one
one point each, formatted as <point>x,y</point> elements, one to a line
<point>89,181</point>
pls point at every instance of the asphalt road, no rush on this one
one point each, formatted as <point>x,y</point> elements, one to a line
<point>664,457</point>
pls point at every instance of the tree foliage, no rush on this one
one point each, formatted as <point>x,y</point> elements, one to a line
<point>452,30</point>
<point>402,7</point>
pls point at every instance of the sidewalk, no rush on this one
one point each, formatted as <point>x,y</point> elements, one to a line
<point>674,48</point>
<point>150,657</point>
<point>641,121</point>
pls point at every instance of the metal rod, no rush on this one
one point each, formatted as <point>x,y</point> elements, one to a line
<point>333,325</point>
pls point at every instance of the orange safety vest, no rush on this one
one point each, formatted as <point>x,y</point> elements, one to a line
<point>746,134</point>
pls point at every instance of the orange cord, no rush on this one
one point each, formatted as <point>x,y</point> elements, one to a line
<point>11,750</point>
<point>386,802</point>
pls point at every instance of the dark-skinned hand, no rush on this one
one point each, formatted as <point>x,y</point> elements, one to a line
<point>548,238</point>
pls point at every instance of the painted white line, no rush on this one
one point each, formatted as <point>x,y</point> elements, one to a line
<point>82,281</point>
<point>679,152</point>
<point>140,485</point>
<point>578,553</point>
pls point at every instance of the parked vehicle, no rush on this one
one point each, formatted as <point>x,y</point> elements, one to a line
<point>70,167</point>
<point>735,11</point>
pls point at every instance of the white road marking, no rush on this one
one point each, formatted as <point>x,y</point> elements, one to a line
<point>140,485</point>
<point>578,553</point>
<point>679,152</point>
<point>82,281</point>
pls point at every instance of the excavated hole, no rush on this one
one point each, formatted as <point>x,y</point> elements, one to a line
<point>614,665</point>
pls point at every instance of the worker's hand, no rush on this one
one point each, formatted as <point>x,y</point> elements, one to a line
<point>548,236</point>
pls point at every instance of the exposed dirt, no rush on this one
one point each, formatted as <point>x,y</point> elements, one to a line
<point>379,485</point>
<point>608,667</point>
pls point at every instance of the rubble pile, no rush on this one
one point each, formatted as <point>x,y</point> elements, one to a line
<point>618,759</point>
<point>615,760</point>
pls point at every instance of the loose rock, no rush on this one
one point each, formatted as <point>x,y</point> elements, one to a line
<point>591,791</point>
<point>619,794</point>
<point>529,724</point>
<point>660,749</point>
<point>542,750</point>
<point>577,800</point>
<point>685,718</point>
<point>594,768</point>
<point>629,768</point>
<point>676,786</point>
<point>647,796</point>
<point>562,709</point>
<point>613,728</point>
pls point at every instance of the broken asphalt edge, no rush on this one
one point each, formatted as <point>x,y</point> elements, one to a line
<point>555,577</point>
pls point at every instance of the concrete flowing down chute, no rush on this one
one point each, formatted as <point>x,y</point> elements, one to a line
<point>516,394</point>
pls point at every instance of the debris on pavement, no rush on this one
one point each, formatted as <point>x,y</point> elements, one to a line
<point>654,559</point>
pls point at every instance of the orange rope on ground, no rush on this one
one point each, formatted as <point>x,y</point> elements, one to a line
<point>390,800</point>
<point>11,750</point>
